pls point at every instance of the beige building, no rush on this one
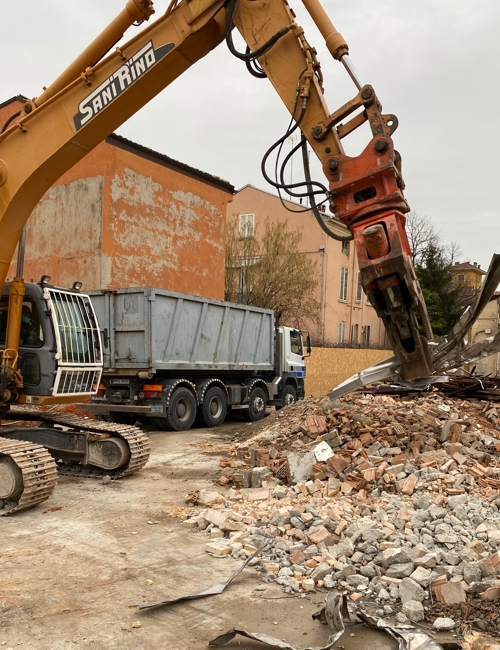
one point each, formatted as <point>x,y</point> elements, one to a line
<point>346,317</point>
<point>465,274</point>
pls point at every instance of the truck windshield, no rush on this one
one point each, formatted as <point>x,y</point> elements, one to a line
<point>296,343</point>
<point>31,329</point>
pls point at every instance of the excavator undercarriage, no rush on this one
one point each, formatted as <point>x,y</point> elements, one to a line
<point>32,456</point>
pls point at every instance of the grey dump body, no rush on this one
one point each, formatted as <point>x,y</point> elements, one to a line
<point>174,359</point>
<point>150,330</point>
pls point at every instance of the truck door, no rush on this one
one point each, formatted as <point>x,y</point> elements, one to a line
<point>294,352</point>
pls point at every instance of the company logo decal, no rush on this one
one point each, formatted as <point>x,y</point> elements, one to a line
<point>124,77</point>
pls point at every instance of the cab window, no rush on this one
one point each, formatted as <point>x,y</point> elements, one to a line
<point>30,369</point>
<point>296,343</point>
<point>31,329</point>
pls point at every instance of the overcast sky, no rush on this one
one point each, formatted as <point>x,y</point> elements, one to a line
<point>433,63</point>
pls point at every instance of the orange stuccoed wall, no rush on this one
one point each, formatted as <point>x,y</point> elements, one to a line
<point>128,216</point>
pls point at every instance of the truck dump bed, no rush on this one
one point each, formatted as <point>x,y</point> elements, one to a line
<point>151,329</point>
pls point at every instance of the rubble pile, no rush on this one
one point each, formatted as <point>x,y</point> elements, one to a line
<point>375,443</point>
<point>390,500</point>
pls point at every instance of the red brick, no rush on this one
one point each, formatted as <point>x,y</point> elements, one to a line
<point>320,535</point>
<point>297,558</point>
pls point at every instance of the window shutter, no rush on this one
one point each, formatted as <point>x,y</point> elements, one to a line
<point>359,289</point>
<point>344,278</point>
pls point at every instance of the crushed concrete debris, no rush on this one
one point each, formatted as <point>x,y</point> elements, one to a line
<point>401,514</point>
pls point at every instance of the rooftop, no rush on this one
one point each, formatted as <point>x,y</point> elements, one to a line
<point>467,266</point>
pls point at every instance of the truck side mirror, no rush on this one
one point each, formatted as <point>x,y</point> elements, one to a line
<point>308,345</point>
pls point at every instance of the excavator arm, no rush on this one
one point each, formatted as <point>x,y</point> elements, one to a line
<point>100,91</point>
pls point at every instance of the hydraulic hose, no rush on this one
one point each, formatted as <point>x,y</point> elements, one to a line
<point>254,68</point>
<point>314,207</point>
<point>11,119</point>
<point>249,56</point>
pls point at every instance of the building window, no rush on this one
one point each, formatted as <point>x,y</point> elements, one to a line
<point>359,289</point>
<point>354,335</point>
<point>345,248</point>
<point>246,225</point>
<point>460,277</point>
<point>344,278</point>
<point>366,336</point>
<point>341,337</point>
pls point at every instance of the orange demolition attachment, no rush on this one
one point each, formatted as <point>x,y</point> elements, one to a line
<point>367,196</point>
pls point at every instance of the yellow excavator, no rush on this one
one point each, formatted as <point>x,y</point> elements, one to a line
<point>97,93</point>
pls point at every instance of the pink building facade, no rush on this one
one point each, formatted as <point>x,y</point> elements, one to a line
<point>346,318</point>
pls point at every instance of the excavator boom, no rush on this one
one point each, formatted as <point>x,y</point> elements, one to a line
<point>103,87</point>
<point>95,95</point>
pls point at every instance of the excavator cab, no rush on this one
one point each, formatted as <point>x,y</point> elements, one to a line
<point>60,359</point>
<point>60,355</point>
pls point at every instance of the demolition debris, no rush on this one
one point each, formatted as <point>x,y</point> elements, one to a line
<point>393,501</point>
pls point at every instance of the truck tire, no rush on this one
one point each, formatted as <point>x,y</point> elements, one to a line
<point>289,397</point>
<point>257,403</point>
<point>181,412</point>
<point>213,411</point>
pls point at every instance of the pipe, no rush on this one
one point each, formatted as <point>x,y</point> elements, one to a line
<point>20,254</point>
<point>14,313</point>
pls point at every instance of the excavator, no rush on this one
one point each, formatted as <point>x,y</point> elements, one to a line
<point>97,93</point>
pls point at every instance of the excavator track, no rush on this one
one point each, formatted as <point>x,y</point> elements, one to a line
<point>36,472</point>
<point>136,440</point>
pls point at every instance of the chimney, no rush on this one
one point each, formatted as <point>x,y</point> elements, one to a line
<point>475,264</point>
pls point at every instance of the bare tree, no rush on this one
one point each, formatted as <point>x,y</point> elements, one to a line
<point>453,252</point>
<point>267,270</point>
<point>421,234</point>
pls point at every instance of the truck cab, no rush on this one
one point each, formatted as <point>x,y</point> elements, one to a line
<point>288,382</point>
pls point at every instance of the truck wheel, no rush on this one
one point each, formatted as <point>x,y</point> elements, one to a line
<point>257,403</point>
<point>181,410</point>
<point>213,411</point>
<point>289,397</point>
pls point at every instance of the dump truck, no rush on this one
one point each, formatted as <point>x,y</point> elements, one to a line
<point>176,360</point>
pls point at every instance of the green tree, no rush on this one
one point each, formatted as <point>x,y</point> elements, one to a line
<point>433,271</point>
<point>268,270</point>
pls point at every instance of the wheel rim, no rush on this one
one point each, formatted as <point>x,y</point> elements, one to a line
<point>289,399</point>
<point>215,407</point>
<point>183,409</point>
<point>258,404</point>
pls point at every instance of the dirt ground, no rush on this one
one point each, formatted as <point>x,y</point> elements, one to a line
<point>72,569</point>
